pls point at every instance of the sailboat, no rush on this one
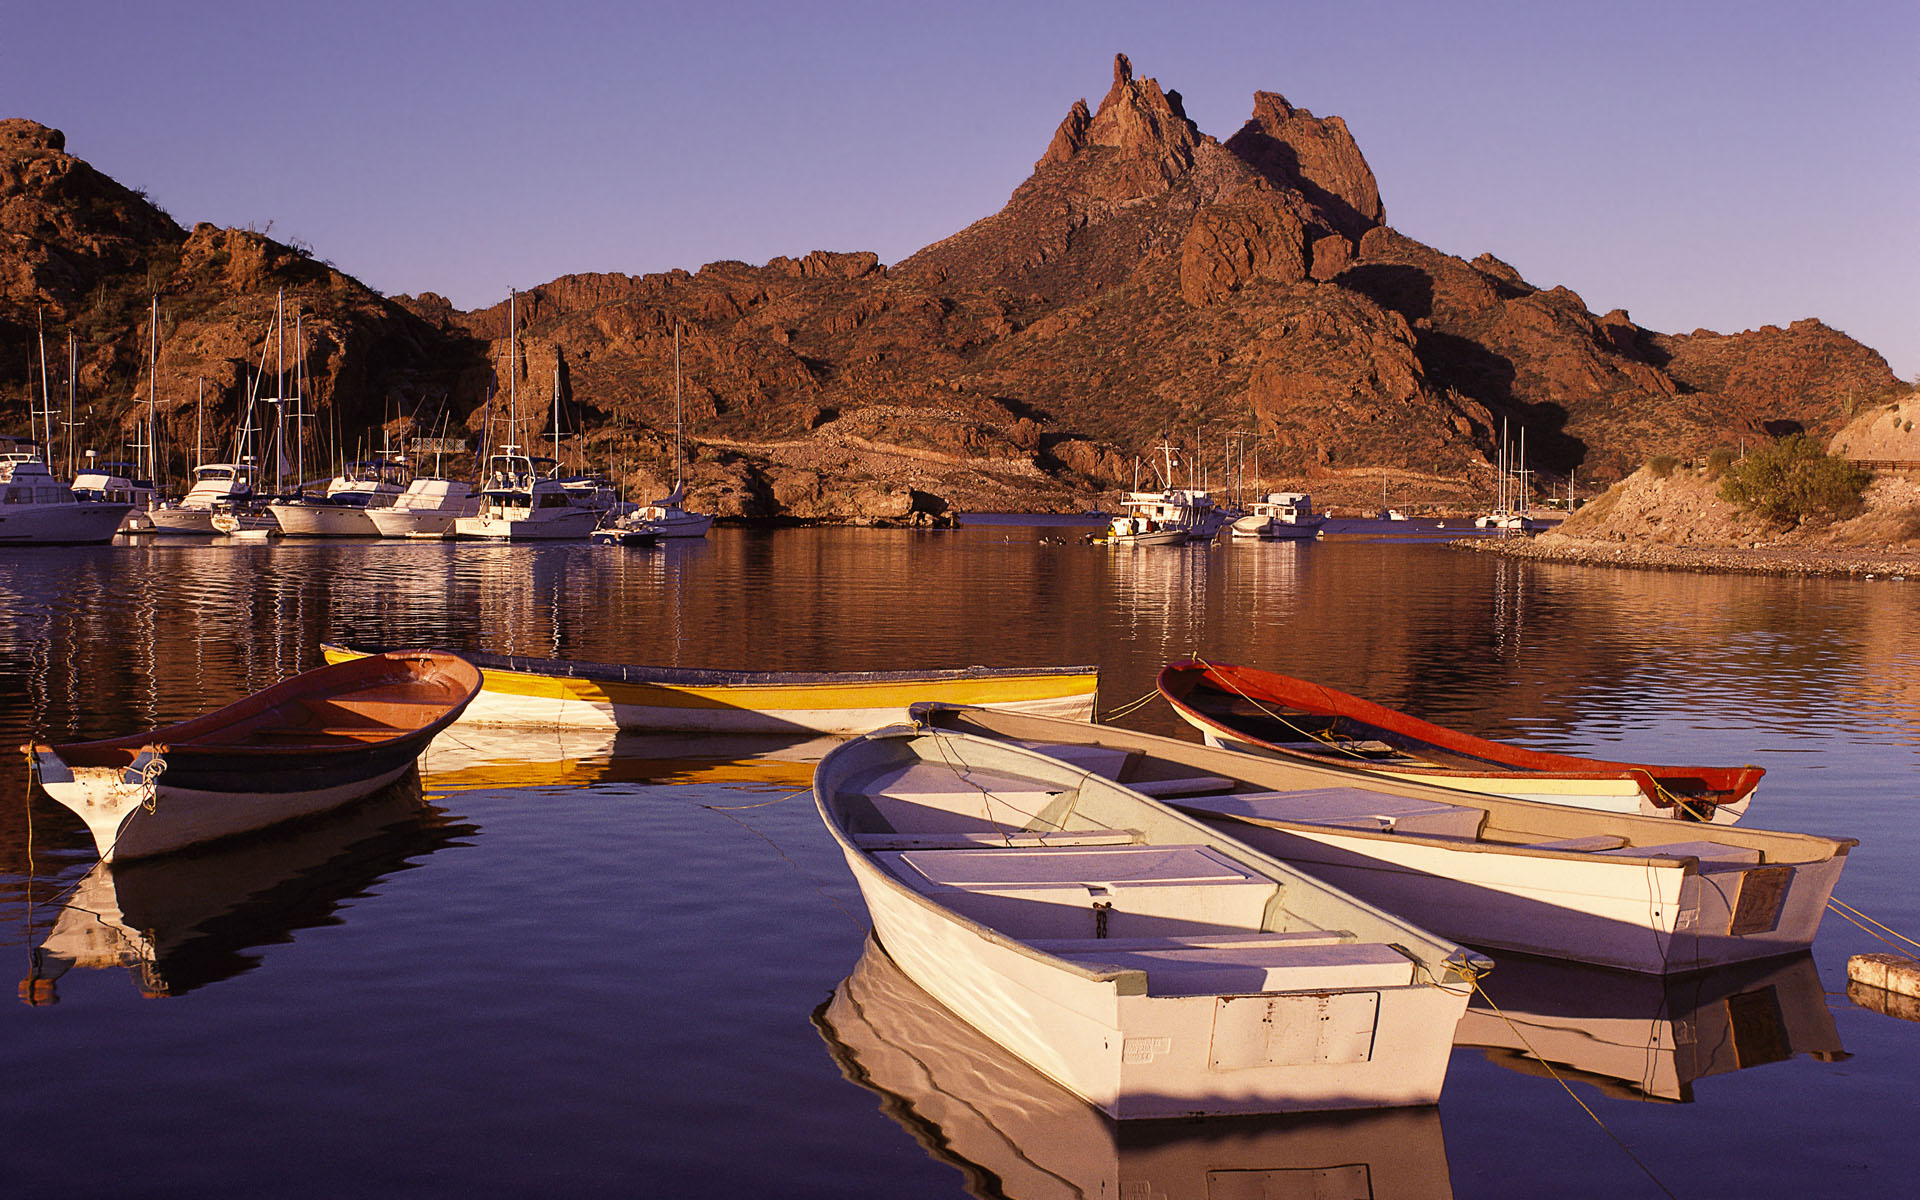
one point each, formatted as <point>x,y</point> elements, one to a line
<point>665,516</point>
<point>1510,504</point>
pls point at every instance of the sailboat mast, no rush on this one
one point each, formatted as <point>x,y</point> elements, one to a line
<point>679,450</point>
<point>199,415</point>
<point>46,398</point>
<point>73,371</point>
<point>153,372</point>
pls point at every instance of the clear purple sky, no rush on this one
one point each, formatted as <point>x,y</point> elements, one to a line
<point>1700,164</point>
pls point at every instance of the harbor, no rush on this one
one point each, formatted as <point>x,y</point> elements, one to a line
<point>656,936</point>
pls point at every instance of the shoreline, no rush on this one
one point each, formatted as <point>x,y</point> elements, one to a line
<point>1806,561</point>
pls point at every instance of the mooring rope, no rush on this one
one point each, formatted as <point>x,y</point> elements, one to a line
<point>1848,912</point>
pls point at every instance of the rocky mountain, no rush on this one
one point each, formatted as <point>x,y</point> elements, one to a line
<point>1147,283</point>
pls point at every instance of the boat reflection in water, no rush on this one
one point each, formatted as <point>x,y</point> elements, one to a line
<point>1012,1132</point>
<point>1643,1037</point>
<point>186,920</point>
<point>470,758</point>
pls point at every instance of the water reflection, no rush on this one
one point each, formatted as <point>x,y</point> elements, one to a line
<point>1642,1037</point>
<point>1012,1132</point>
<point>469,758</point>
<point>180,922</point>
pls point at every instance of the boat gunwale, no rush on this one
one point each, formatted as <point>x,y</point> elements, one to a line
<point>1177,681</point>
<point>711,677</point>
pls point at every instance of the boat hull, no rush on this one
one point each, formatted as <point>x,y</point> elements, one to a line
<point>182,520</point>
<point>307,745</point>
<point>1128,1039</point>
<point>323,520</point>
<point>567,525</point>
<point>547,693</point>
<point>77,524</point>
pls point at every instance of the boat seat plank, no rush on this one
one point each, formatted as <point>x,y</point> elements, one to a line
<point>1197,785</point>
<point>1214,970</point>
<point>1350,808</point>
<point>1105,761</point>
<point>995,839</point>
<point>1591,844</point>
<point>1713,856</point>
<point>927,798</point>
<point>1244,938</point>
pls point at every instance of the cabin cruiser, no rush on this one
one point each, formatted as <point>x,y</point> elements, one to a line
<point>667,519</point>
<point>427,509</point>
<point>521,503</point>
<point>1280,515</point>
<point>342,510</point>
<point>214,484</point>
<point>35,507</point>
<point>1174,515</point>
<point>114,483</point>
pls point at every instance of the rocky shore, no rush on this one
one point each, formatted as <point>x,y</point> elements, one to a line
<point>1750,560</point>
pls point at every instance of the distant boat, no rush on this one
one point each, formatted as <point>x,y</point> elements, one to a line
<point>342,510</point>
<point>519,503</point>
<point>214,485</point>
<point>1144,962</point>
<point>306,745</point>
<point>667,516</point>
<point>114,483</point>
<point>981,1110</point>
<point>548,693</point>
<point>1633,893</point>
<point>427,509</point>
<point>1244,707</point>
<point>619,533</point>
<point>35,507</point>
<point>1279,515</point>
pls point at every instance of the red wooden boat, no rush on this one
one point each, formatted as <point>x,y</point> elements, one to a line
<point>303,746</point>
<point>1246,708</point>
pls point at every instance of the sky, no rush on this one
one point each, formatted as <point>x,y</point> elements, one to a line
<point>1703,165</point>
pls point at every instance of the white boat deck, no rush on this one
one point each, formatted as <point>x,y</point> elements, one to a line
<point>1349,808</point>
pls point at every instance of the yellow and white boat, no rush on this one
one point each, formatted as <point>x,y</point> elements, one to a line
<point>548,692</point>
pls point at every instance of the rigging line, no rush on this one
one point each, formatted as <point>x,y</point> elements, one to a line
<point>767,804</point>
<point>803,872</point>
<point>962,771</point>
<point>1326,739</point>
<point>1565,1086</point>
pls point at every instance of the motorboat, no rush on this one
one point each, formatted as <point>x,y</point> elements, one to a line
<point>113,483</point>
<point>667,518</point>
<point>306,745</point>
<point>1136,957</point>
<point>214,485</point>
<point>1635,893</point>
<point>1279,515</point>
<point>1250,709</point>
<point>547,692</point>
<point>519,502</point>
<point>342,509</point>
<point>427,508</point>
<point>36,507</point>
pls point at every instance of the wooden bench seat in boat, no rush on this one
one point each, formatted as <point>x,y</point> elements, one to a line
<point>1591,844</point>
<point>1258,962</point>
<point>996,838</point>
<point>1349,808</point>
<point>1112,762</point>
<point>1089,891</point>
<point>1713,856</point>
<point>927,798</point>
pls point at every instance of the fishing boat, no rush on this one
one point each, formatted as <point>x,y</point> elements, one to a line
<point>1629,892</point>
<point>37,508</point>
<point>548,692</point>
<point>1279,515</point>
<point>990,1116</point>
<point>306,745</point>
<point>1146,963</point>
<point>1250,709</point>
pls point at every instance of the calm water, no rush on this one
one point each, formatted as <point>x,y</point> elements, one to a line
<point>636,967</point>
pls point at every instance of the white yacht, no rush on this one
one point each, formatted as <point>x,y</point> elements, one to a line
<point>1280,515</point>
<point>114,483</point>
<point>520,503</point>
<point>666,518</point>
<point>342,510</point>
<point>214,484</point>
<point>427,509</point>
<point>36,507</point>
<point>1190,511</point>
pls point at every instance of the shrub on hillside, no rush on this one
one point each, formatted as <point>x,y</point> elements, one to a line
<point>1793,482</point>
<point>1718,461</point>
<point>1662,465</point>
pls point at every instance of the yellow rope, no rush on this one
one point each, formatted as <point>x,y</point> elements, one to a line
<point>766,804</point>
<point>1541,1059</point>
<point>1849,913</point>
<point>1131,706</point>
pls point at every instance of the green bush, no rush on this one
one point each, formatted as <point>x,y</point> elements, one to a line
<point>1793,481</point>
<point>1662,465</point>
<point>1718,461</point>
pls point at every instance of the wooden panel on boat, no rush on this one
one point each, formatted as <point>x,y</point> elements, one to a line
<point>1266,1031</point>
<point>1349,808</point>
<point>1763,893</point>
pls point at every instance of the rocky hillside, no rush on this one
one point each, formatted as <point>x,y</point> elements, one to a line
<point>1148,282</point>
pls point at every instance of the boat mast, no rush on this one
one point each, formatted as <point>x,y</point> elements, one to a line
<point>199,415</point>
<point>46,398</point>
<point>679,452</point>
<point>153,371</point>
<point>299,400</point>
<point>73,371</point>
<point>279,391</point>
